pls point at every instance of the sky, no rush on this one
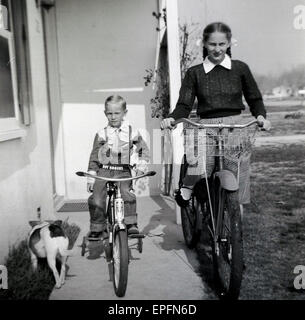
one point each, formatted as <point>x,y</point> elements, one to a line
<point>266,37</point>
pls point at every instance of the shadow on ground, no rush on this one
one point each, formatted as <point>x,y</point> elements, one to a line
<point>169,237</point>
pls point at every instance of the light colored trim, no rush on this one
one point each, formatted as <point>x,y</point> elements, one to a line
<point>12,134</point>
<point>160,39</point>
<point>55,101</point>
<point>174,84</point>
<point>59,201</point>
<point>138,89</point>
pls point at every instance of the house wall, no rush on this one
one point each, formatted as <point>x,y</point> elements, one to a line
<point>104,48</point>
<point>25,175</point>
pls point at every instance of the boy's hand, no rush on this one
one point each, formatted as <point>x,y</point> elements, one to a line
<point>90,186</point>
<point>90,181</point>
<point>139,172</point>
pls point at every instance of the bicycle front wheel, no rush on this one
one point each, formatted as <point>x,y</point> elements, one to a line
<point>189,222</point>
<point>120,262</point>
<point>228,247</point>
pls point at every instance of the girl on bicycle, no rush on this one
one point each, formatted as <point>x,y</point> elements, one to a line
<point>218,84</point>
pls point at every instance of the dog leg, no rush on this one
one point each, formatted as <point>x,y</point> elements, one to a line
<point>63,270</point>
<point>51,258</point>
<point>34,260</point>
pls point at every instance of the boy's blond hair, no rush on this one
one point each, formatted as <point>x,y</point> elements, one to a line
<point>116,99</point>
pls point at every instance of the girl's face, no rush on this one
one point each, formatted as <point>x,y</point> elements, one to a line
<point>217,45</point>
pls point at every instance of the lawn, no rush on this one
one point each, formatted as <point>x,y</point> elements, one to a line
<point>287,117</point>
<point>274,223</point>
<point>285,123</point>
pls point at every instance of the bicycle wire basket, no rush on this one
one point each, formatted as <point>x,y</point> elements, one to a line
<point>206,142</point>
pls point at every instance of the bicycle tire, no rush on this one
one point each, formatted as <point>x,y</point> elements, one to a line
<point>189,224</point>
<point>230,253</point>
<point>140,245</point>
<point>83,246</point>
<point>120,262</point>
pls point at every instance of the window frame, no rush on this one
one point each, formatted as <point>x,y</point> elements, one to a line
<point>11,128</point>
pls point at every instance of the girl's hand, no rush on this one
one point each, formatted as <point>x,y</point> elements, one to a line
<point>263,123</point>
<point>167,123</point>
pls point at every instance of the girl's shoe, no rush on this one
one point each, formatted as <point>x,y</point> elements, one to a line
<point>132,229</point>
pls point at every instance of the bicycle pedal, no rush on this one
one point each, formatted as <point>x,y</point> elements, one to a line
<point>94,239</point>
<point>139,235</point>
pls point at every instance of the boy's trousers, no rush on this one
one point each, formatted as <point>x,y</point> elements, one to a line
<point>97,201</point>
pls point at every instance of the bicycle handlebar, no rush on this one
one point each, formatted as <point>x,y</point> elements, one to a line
<point>85,174</point>
<point>215,126</point>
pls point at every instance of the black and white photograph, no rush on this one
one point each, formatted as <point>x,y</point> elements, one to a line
<point>152,150</point>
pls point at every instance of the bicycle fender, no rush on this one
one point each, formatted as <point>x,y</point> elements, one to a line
<point>119,226</point>
<point>227,180</point>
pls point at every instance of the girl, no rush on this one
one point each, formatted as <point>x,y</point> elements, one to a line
<point>219,84</point>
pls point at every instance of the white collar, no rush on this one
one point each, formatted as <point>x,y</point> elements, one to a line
<point>124,127</point>
<point>208,65</point>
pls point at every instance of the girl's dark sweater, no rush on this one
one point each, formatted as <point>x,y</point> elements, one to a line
<point>219,92</point>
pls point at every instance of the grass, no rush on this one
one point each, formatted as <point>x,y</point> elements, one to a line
<point>274,223</point>
<point>23,282</point>
<point>284,124</point>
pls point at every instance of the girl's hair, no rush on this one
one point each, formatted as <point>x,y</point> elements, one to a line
<point>216,27</point>
<point>116,99</point>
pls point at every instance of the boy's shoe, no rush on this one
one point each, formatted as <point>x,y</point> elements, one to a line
<point>132,229</point>
<point>93,235</point>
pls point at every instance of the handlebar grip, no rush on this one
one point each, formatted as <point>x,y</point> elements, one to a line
<point>150,173</point>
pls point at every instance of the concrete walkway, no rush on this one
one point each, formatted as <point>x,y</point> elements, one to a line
<point>166,269</point>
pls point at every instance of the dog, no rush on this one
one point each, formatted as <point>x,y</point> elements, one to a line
<point>48,240</point>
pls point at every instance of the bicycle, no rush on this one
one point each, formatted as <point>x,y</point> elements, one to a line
<point>117,246</point>
<point>221,210</point>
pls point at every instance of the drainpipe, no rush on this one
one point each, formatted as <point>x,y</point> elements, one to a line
<point>174,84</point>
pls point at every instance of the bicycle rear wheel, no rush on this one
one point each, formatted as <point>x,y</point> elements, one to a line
<point>120,262</point>
<point>189,217</point>
<point>228,249</point>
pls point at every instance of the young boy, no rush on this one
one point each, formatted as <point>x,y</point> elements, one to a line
<point>116,149</point>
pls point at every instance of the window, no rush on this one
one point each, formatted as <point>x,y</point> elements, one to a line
<point>6,76</point>
<point>14,70</point>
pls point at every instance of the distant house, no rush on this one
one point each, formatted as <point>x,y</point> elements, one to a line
<point>282,92</point>
<point>301,92</point>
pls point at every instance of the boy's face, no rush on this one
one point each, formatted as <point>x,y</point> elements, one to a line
<point>115,114</point>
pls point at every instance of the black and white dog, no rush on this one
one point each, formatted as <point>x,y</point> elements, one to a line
<point>48,240</point>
